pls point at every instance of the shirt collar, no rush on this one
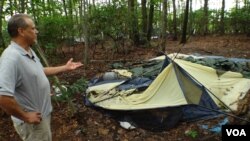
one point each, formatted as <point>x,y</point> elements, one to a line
<point>19,48</point>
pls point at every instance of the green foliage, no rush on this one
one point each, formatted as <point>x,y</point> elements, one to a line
<point>79,86</point>
<point>191,133</point>
<point>6,37</point>
<point>1,50</point>
<point>67,93</point>
<point>240,20</point>
<point>52,29</point>
<point>108,19</point>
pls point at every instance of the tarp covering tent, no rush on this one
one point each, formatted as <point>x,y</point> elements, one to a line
<point>180,83</point>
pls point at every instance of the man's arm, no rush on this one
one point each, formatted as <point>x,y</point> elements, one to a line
<point>10,106</point>
<point>70,65</point>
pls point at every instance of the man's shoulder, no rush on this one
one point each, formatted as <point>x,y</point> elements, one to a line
<point>11,53</point>
<point>10,58</point>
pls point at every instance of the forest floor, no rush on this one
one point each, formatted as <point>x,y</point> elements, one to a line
<point>87,124</point>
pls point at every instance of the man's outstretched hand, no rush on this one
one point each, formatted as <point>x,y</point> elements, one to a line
<point>70,65</point>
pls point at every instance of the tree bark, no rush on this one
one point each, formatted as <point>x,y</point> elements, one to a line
<point>150,20</point>
<point>134,23</point>
<point>222,28</point>
<point>144,17</point>
<point>174,21</point>
<point>11,7</point>
<point>185,23</point>
<point>22,10</point>
<point>2,44</point>
<point>205,31</point>
<point>33,10</point>
<point>191,19</point>
<point>85,32</point>
<point>164,26</point>
<point>65,8</point>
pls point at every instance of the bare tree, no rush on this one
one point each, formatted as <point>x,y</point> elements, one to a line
<point>222,29</point>
<point>144,16</point>
<point>174,21</point>
<point>85,27</point>
<point>65,8</point>
<point>205,31</point>
<point>11,7</point>
<point>22,10</point>
<point>1,18</point>
<point>191,19</point>
<point>150,20</point>
<point>134,21</point>
<point>185,23</point>
<point>163,26</point>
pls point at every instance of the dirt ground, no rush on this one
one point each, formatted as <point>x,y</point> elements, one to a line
<point>87,124</point>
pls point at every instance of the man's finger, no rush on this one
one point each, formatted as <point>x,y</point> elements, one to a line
<point>71,59</point>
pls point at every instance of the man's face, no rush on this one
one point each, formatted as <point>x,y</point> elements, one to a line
<point>29,33</point>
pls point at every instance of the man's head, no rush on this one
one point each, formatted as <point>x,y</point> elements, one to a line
<point>21,26</point>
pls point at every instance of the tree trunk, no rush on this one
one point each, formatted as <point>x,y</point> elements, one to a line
<point>44,8</point>
<point>134,23</point>
<point>150,20</point>
<point>205,31</point>
<point>22,10</point>
<point>164,26</point>
<point>16,7</point>
<point>222,29</point>
<point>236,30</point>
<point>71,11</point>
<point>33,10</point>
<point>85,32</point>
<point>174,21</point>
<point>2,44</point>
<point>144,17</point>
<point>65,8</point>
<point>185,23</point>
<point>11,7</point>
<point>49,7</point>
<point>191,29</point>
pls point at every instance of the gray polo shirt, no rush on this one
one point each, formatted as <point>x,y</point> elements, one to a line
<point>22,77</point>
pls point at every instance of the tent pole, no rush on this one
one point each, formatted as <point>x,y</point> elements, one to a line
<point>228,114</point>
<point>203,86</point>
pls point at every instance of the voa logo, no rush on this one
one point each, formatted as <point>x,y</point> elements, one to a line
<point>236,132</point>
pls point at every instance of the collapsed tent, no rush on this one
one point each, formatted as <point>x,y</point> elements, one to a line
<point>197,89</point>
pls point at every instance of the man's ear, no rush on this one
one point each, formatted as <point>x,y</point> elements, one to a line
<point>20,31</point>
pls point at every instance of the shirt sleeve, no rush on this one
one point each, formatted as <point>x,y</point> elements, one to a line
<point>8,76</point>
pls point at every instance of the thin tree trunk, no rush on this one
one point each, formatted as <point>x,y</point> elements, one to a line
<point>33,10</point>
<point>191,30</point>
<point>236,30</point>
<point>134,23</point>
<point>150,20</point>
<point>86,32</point>
<point>44,8</point>
<point>185,23</point>
<point>71,10</point>
<point>16,7</point>
<point>164,26</point>
<point>205,31</point>
<point>2,44</point>
<point>65,8</point>
<point>144,17</point>
<point>22,6</point>
<point>11,7</point>
<point>174,21</point>
<point>222,29</point>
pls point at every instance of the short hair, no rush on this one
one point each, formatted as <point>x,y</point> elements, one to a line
<point>16,22</point>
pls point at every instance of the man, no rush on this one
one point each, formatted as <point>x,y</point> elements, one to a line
<point>24,87</point>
